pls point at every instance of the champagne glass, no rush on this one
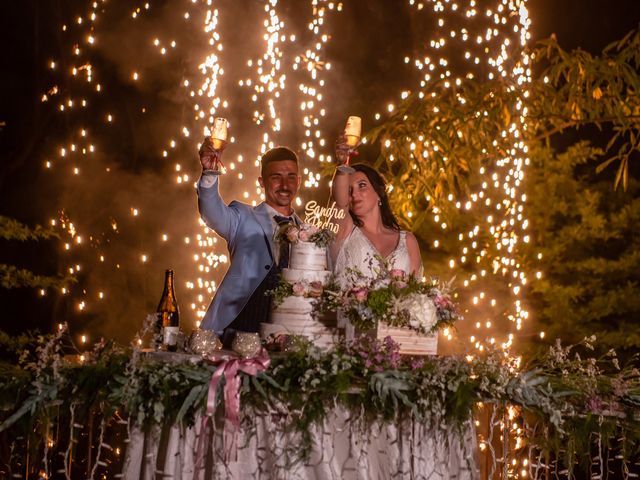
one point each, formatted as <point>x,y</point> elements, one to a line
<point>352,132</point>
<point>219,141</point>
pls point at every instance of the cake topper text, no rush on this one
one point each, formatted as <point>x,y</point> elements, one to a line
<point>321,216</point>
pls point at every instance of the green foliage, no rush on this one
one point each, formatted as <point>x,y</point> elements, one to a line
<point>442,136</point>
<point>446,141</point>
<point>11,347</point>
<point>589,239</point>
<point>12,276</point>
<point>283,290</point>
<point>11,229</point>
<point>379,301</point>
<point>586,90</point>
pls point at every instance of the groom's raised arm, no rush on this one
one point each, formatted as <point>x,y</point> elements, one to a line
<point>220,217</point>
<point>217,215</point>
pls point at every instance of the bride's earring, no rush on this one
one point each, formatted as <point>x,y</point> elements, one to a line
<point>379,202</point>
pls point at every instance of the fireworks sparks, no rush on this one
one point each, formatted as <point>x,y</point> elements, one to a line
<point>491,46</point>
<point>292,65</point>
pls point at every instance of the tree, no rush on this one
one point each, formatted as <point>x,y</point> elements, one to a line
<point>12,276</point>
<point>567,126</point>
<point>588,237</point>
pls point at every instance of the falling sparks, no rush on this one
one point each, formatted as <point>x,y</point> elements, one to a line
<point>497,52</point>
<point>492,45</point>
<point>294,63</point>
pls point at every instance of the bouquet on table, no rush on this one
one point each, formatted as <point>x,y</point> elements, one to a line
<point>398,300</point>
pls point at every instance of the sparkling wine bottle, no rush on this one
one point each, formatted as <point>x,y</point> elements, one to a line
<point>168,323</point>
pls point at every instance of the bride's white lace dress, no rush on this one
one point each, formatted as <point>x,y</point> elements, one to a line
<point>357,252</point>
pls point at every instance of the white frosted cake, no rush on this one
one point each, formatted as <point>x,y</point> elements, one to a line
<point>307,273</point>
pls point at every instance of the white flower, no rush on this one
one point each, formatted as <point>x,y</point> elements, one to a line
<point>422,311</point>
<point>378,283</point>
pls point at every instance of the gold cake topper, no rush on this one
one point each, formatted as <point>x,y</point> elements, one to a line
<point>321,216</point>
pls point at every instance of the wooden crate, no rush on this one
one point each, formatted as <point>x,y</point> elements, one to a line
<point>410,341</point>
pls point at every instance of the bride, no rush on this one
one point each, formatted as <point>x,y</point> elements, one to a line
<point>370,234</point>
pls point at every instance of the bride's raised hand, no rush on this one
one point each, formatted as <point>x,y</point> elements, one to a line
<point>343,150</point>
<point>344,153</point>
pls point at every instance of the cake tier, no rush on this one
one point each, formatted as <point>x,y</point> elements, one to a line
<point>293,317</point>
<point>293,275</point>
<point>324,339</point>
<point>307,256</point>
<point>294,305</point>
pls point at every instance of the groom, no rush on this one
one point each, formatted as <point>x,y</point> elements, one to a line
<point>240,304</point>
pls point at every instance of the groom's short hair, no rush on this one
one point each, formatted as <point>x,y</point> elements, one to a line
<point>277,154</point>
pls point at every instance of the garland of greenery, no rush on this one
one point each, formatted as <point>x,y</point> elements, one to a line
<point>564,399</point>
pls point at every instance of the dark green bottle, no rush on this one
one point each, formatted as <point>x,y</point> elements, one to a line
<point>168,323</point>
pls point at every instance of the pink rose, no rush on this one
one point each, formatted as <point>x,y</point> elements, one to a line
<point>303,236</point>
<point>443,301</point>
<point>315,289</point>
<point>292,234</point>
<point>397,274</point>
<point>298,289</point>
<point>399,284</point>
<point>360,294</point>
<point>312,229</point>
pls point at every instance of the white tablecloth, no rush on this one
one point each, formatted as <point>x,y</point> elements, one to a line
<point>343,447</point>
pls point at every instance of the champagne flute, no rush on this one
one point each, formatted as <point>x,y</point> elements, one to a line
<point>352,132</point>
<point>219,141</point>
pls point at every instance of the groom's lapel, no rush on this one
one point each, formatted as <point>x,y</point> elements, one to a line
<point>264,219</point>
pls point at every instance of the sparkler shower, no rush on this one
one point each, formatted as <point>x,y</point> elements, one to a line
<point>138,89</point>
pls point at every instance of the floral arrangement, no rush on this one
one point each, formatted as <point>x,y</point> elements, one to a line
<point>398,299</point>
<point>305,232</point>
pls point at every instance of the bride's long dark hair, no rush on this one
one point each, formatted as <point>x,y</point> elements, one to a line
<point>380,186</point>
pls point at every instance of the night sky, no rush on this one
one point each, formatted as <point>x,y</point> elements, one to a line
<point>365,77</point>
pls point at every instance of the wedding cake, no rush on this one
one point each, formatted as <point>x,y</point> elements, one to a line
<point>304,280</point>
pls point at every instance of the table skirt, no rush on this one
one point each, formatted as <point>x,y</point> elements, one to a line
<point>343,446</point>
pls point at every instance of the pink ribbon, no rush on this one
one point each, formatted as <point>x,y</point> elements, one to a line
<point>228,368</point>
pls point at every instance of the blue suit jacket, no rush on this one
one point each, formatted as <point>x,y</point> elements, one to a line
<point>249,234</point>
